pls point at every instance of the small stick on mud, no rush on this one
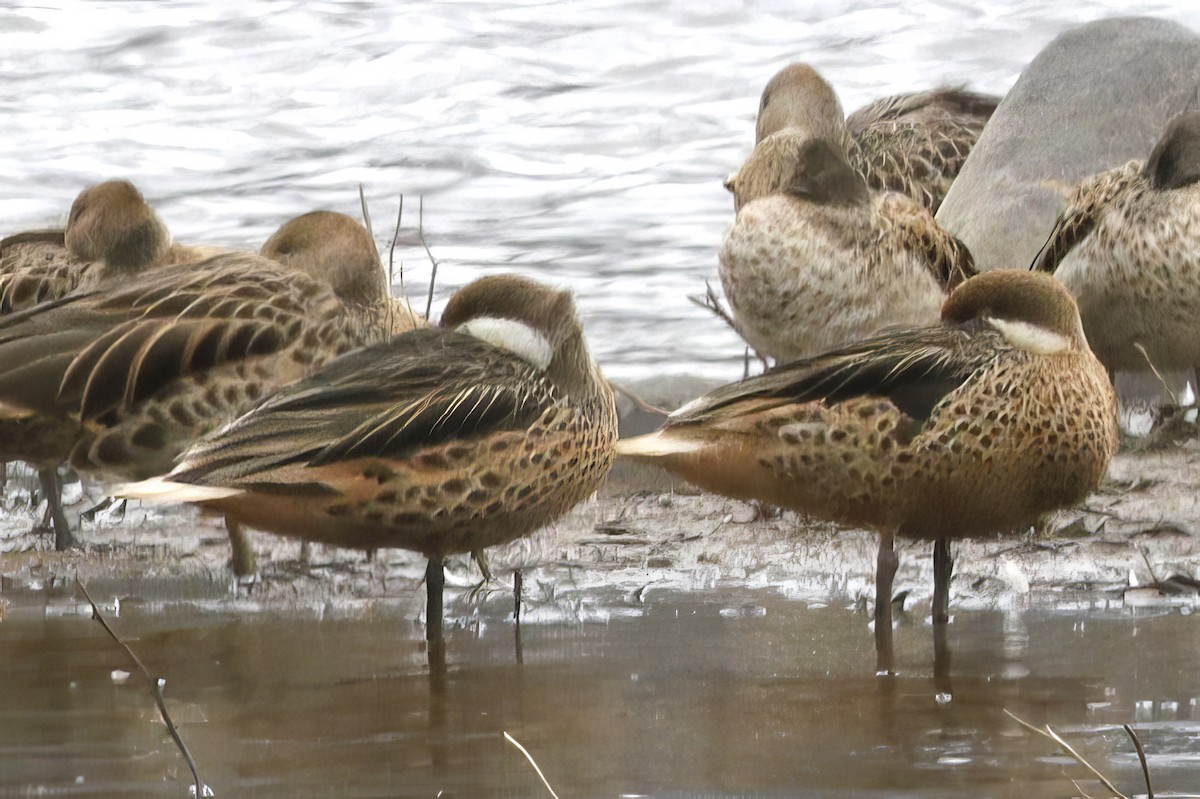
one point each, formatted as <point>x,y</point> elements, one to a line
<point>1141,753</point>
<point>157,683</point>
<point>532,762</point>
<point>1053,736</point>
<point>1149,568</point>
<point>425,244</point>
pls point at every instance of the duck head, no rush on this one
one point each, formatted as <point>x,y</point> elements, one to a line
<point>112,223</point>
<point>1032,310</point>
<point>334,248</point>
<point>534,321</point>
<point>1175,160</point>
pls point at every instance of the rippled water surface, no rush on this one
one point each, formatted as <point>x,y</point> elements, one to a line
<point>583,141</point>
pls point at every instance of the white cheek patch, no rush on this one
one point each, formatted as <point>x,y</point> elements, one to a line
<point>516,337</point>
<point>1030,338</point>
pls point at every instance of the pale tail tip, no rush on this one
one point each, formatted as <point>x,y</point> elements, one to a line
<point>156,489</point>
<point>655,445</point>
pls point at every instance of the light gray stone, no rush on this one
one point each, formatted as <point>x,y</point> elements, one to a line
<point>1094,98</point>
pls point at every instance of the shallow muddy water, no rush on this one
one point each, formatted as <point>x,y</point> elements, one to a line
<point>672,645</point>
<point>732,693</point>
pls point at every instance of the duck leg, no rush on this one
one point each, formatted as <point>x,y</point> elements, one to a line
<point>885,572</point>
<point>241,557</point>
<point>943,568</point>
<point>435,582</point>
<point>52,488</point>
<point>518,582</point>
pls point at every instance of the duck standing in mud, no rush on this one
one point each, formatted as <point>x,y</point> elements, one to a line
<point>974,426</point>
<point>442,440</point>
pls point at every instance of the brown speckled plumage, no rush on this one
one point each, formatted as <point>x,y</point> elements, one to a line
<point>141,370</point>
<point>435,441</point>
<point>913,143</point>
<point>1128,248</point>
<point>112,234</point>
<point>972,427</point>
<point>815,260</point>
<point>327,243</point>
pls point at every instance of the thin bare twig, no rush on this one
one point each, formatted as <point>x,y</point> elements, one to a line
<point>1149,568</point>
<point>1154,369</point>
<point>414,321</point>
<point>362,199</point>
<point>712,302</point>
<point>1141,753</point>
<point>532,762</point>
<point>432,260</point>
<point>638,402</point>
<point>157,683</point>
<point>392,249</point>
<point>1079,788</point>
<point>1053,736</point>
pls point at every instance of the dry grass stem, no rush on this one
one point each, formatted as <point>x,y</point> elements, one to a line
<point>532,762</point>
<point>392,249</point>
<point>712,302</point>
<point>412,315</point>
<point>1149,568</point>
<point>1053,736</point>
<point>1141,753</point>
<point>425,244</point>
<point>1154,369</point>
<point>157,683</point>
<point>638,402</point>
<point>366,212</point>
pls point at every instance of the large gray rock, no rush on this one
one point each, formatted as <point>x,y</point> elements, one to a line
<point>1094,98</point>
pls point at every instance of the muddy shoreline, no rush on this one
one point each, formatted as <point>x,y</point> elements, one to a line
<point>645,532</point>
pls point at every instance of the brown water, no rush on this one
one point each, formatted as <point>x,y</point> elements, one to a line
<point>729,693</point>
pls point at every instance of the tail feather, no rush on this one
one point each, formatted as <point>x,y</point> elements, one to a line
<point>159,489</point>
<point>656,445</point>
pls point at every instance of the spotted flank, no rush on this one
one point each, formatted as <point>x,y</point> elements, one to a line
<point>814,259</point>
<point>973,426</point>
<point>1127,246</point>
<point>914,143</point>
<point>441,440</point>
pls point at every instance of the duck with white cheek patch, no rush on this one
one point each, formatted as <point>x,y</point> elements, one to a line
<point>442,440</point>
<point>971,427</point>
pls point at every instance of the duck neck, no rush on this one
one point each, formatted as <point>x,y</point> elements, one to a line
<point>575,371</point>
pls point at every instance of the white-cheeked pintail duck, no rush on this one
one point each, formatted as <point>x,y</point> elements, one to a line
<point>442,440</point>
<point>970,427</point>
